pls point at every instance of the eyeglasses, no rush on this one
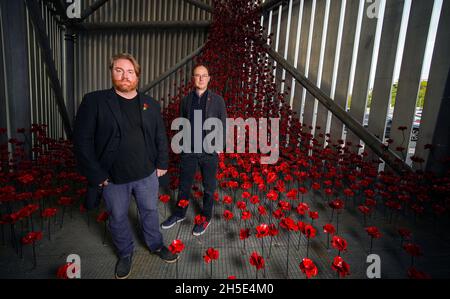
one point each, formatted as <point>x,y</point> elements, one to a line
<point>197,76</point>
<point>120,72</point>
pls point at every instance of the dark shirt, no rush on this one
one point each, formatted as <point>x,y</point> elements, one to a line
<point>198,103</point>
<point>133,161</point>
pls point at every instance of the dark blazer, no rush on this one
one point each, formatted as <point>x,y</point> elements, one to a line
<point>97,136</point>
<point>215,107</point>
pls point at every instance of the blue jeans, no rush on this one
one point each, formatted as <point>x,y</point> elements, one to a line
<point>117,199</point>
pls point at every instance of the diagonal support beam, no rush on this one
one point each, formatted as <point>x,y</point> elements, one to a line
<point>200,4</point>
<point>91,9</point>
<point>172,70</point>
<point>44,44</point>
<point>369,139</point>
<point>270,4</point>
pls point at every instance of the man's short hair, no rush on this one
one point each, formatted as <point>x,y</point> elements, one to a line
<point>137,67</point>
<point>199,65</point>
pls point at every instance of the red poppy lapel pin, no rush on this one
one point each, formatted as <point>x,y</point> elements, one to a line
<point>145,106</point>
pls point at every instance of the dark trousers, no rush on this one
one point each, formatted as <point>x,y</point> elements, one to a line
<point>208,168</point>
<point>117,199</point>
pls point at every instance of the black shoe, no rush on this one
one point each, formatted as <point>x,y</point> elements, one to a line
<point>166,255</point>
<point>199,229</point>
<point>171,221</point>
<point>123,267</point>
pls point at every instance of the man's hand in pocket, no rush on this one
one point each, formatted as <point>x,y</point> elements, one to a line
<point>161,172</point>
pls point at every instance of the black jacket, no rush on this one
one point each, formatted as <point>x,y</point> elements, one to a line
<point>97,136</point>
<point>215,107</point>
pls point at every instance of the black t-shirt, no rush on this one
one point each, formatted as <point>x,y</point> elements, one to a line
<point>198,103</point>
<point>133,161</point>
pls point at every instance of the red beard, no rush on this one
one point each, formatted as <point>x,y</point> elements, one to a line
<point>125,85</point>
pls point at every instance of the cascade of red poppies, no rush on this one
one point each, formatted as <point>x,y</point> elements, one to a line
<point>243,73</point>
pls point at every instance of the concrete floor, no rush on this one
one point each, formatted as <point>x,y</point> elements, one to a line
<point>98,259</point>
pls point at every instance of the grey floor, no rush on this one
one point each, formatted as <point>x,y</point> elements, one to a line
<point>98,259</point>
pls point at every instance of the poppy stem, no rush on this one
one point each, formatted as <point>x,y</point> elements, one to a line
<point>178,232</point>
<point>307,248</point>
<point>337,222</point>
<point>49,231</point>
<point>42,218</point>
<point>371,243</point>
<point>34,256</point>
<point>62,217</point>
<point>287,257</point>
<point>299,241</point>
<point>31,223</point>
<point>13,238</point>
<point>262,246</point>
<point>176,269</point>
<point>270,246</point>
<point>211,269</point>
<point>328,241</point>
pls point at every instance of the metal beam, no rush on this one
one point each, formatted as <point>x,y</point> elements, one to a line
<point>369,139</point>
<point>200,4</point>
<point>172,70</point>
<point>33,10</point>
<point>91,9</point>
<point>156,25</point>
<point>15,104</point>
<point>69,38</point>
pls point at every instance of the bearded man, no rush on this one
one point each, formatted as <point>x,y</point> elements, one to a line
<point>121,146</point>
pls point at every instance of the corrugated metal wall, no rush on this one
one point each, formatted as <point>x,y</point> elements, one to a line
<point>42,98</point>
<point>157,51</point>
<point>3,108</point>
<point>350,52</point>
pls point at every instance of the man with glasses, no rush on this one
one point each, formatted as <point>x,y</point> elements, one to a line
<point>121,147</point>
<point>210,105</point>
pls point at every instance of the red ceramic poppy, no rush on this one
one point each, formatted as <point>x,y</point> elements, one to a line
<point>257,261</point>
<point>176,246</point>
<point>308,267</point>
